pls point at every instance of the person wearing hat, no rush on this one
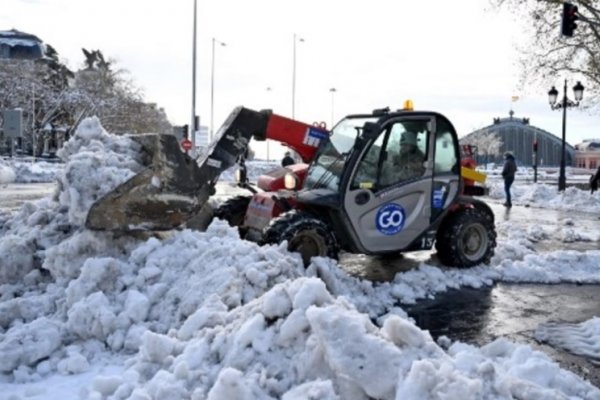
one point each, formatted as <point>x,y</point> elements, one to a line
<point>594,180</point>
<point>508,174</point>
<point>410,157</point>
<point>287,159</point>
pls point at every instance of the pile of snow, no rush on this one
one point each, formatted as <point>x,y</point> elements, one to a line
<point>29,171</point>
<point>205,315</point>
<point>581,339</point>
<point>547,196</point>
<point>37,171</point>
<point>7,173</point>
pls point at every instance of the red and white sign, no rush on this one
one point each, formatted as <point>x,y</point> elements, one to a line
<point>186,144</point>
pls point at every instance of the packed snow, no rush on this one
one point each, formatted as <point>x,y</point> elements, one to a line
<point>206,315</point>
<point>28,170</point>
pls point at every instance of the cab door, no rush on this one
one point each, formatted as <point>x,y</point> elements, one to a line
<point>388,199</point>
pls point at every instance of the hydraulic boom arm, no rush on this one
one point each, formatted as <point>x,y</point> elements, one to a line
<point>174,187</point>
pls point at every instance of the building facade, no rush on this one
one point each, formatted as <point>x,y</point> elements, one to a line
<point>517,135</point>
<point>587,154</point>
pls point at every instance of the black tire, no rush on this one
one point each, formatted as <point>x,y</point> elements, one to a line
<point>305,234</point>
<point>233,211</point>
<point>467,238</point>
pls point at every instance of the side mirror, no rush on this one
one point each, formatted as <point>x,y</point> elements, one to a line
<point>370,130</point>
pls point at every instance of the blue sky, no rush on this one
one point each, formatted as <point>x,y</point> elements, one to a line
<point>457,58</point>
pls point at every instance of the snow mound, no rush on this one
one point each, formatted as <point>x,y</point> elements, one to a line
<point>7,173</point>
<point>205,315</point>
<point>543,195</point>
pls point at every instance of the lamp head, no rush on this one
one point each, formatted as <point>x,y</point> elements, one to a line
<point>578,91</point>
<point>552,96</point>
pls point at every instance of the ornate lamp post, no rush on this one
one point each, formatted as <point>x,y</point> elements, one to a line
<point>566,103</point>
<point>193,133</point>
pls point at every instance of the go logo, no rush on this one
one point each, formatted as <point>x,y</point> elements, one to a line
<point>390,219</point>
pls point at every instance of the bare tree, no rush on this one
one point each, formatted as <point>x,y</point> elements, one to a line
<point>119,104</point>
<point>49,94</point>
<point>547,55</point>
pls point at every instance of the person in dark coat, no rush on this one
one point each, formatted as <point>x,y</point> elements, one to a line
<point>287,159</point>
<point>595,180</point>
<point>508,174</point>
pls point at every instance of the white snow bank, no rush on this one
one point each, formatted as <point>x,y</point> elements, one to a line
<point>7,173</point>
<point>547,196</point>
<point>207,315</point>
<point>36,172</point>
<point>582,339</point>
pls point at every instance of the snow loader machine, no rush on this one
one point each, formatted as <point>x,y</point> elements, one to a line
<point>380,183</point>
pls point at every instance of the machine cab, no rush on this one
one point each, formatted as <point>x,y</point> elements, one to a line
<point>397,174</point>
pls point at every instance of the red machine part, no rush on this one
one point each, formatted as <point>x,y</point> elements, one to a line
<point>467,160</point>
<point>273,181</point>
<point>263,208</point>
<point>302,138</point>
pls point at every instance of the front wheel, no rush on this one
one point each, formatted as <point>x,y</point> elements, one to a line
<point>305,234</point>
<point>466,239</point>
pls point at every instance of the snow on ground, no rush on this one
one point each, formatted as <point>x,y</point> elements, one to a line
<point>547,196</point>
<point>205,315</point>
<point>7,173</point>
<point>29,171</point>
<point>581,339</point>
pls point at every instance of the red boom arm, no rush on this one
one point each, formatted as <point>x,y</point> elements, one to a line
<point>302,138</point>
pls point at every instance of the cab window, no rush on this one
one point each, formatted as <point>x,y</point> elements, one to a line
<point>398,155</point>
<point>446,151</point>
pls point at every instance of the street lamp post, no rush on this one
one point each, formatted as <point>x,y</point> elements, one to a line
<point>269,90</point>
<point>332,90</point>
<point>566,103</point>
<point>296,39</point>
<point>193,124</point>
<point>212,87</point>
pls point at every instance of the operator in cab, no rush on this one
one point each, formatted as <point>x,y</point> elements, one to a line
<point>410,157</point>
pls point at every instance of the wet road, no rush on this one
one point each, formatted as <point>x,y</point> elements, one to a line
<point>513,311</point>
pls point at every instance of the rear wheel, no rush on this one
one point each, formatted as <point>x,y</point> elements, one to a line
<point>234,211</point>
<point>304,233</point>
<point>466,239</point>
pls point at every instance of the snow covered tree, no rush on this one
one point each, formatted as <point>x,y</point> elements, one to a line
<point>35,87</point>
<point>488,144</point>
<point>50,96</point>
<point>547,55</point>
<point>105,92</point>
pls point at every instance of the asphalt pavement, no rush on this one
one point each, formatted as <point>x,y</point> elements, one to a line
<point>512,311</point>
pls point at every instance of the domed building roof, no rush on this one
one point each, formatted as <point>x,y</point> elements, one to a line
<point>15,44</point>
<point>588,145</point>
<point>517,136</point>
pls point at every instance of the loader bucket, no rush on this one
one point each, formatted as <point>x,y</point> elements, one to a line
<point>174,187</point>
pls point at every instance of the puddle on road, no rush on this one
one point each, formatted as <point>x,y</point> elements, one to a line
<point>512,311</point>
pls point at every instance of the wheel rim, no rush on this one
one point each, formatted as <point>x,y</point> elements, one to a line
<point>474,242</point>
<point>309,244</point>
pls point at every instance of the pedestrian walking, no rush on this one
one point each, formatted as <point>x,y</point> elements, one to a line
<point>595,180</point>
<point>508,174</point>
<point>287,159</point>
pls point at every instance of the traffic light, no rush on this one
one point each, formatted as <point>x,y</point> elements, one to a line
<point>535,145</point>
<point>184,130</point>
<point>569,18</point>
